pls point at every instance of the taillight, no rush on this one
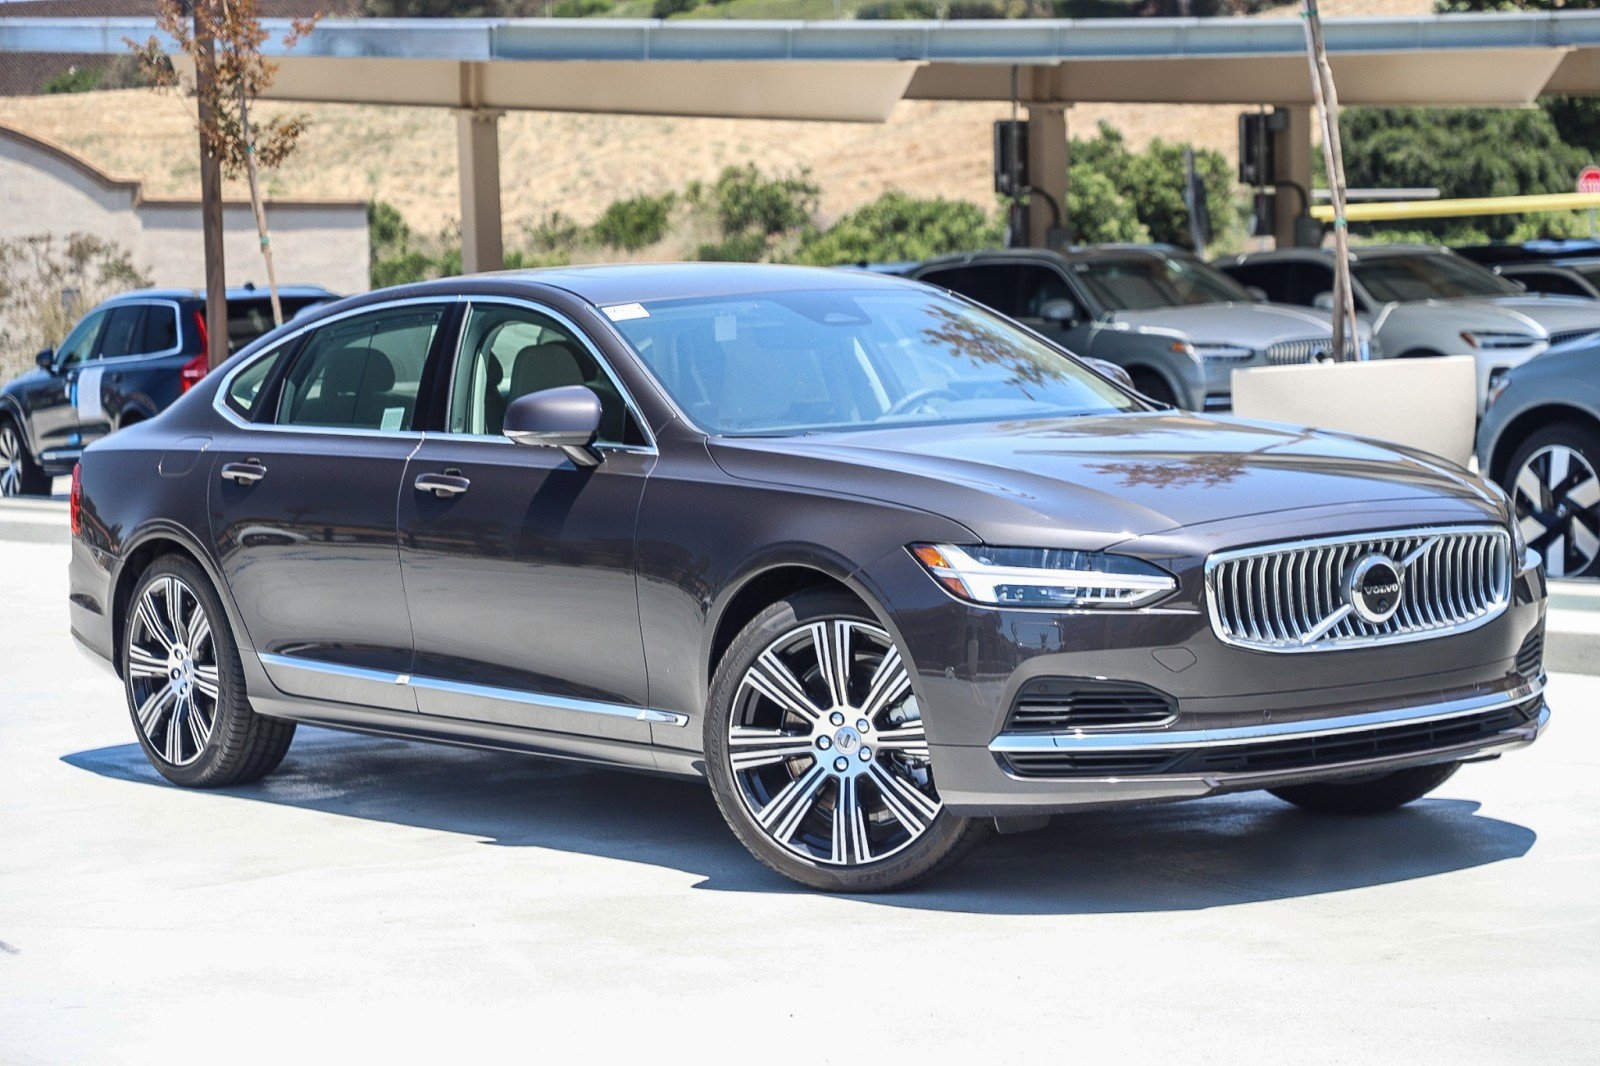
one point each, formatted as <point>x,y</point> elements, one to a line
<point>75,506</point>
<point>192,372</point>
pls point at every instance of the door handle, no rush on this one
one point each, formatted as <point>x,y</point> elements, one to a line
<point>445,485</point>
<point>246,473</point>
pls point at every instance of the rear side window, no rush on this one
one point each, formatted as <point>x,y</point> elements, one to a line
<point>362,372</point>
<point>160,329</point>
<point>995,286</point>
<point>124,332</point>
<point>244,391</point>
<point>251,317</point>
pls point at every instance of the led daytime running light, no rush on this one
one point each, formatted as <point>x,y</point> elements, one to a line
<point>1097,580</point>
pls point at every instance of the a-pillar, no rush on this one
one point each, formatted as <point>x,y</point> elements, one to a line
<point>1047,174</point>
<point>478,155</point>
<point>1292,169</point>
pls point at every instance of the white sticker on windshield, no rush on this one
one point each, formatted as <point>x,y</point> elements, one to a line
<point>623,312</point>
<point>726,327</point>
<point>392,417</point>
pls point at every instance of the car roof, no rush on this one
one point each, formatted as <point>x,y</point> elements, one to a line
<point>615,283</point>
<point>1357,253</point>
<point>1079,253</point>
<point>247,293</point>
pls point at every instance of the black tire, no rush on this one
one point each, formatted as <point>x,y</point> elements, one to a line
<point>945,838</point>
<point>1153,386</point>
<point>1372,795</point>
<point>240,745</point>
<point>1567,551</point>
<point>20,474</point>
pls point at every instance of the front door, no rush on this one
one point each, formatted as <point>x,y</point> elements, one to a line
<point>52,400</point>
<point>519,565</point>
<point>303,505</point>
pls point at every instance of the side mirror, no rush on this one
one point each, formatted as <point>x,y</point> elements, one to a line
<point>1112,371</point>
<point>1323,301</point>
<point>567,418</point>
<point>1059,312</point>
<point>46,360</point>
<point>1259,295</point>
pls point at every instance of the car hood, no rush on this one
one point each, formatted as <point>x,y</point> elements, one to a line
<point>1092,482</point>
<point>1254,325</point>
<point>1557,314</point>
<point>1526,314</point>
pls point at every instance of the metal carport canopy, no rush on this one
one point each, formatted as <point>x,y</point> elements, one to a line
<point>858,70</point>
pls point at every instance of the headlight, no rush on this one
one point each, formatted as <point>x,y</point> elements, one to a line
<point>1224,353</point>
<point>1498,380</point>
<point>1043,577</point>
<point>1519,540</point>
<point>1490,340</point>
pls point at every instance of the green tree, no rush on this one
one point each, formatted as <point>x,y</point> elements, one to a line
<point>635,223</point>
<point>1152,181</point>
<point>1101,213</point>
<point>896,227</point>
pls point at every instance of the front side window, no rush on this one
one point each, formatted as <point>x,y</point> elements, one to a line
<point>1425,276</point>
<point>80,343</point>
<point>1138,282</point>
<point>508,352</point>
<point>362,372</point>
<point>787,363</point>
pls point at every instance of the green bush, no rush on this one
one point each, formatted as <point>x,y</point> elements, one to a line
<point>750,247</point>
<point>901,9</point>
<point>744,199</point>
<point>634,224</point>
<point>73,80</point>
<point>1101,213</point>
<point>580,9</point>
<point>897,227</point>
<point>1152,181</point>
<point>664,9</point>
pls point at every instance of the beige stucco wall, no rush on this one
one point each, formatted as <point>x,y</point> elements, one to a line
<point>45,190</point>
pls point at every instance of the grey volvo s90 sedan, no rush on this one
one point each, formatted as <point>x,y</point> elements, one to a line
<point>881,566</point>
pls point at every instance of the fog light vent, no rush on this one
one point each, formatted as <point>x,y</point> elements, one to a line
<point>1064,705</point>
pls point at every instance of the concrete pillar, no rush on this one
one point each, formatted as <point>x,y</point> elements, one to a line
<point>478,155</point>
<point>1292,166</point>
<point>1047,173</point>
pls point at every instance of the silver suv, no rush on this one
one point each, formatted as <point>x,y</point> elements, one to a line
<point>1177,326</point>
<point>1427,301</point>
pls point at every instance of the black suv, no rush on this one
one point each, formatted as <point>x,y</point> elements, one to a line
<point>123,363</point>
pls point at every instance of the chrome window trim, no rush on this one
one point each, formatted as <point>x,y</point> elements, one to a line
<point>577,331</point>
<point>486,692</point>
<point>1007,743</point>
<point>177,321</point>
<point>1216,559</point>
<point>219,398</point>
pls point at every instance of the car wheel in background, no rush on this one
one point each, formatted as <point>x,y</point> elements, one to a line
<point>1369,795</point>
<point>816,751</point>
<point>1154,386</point>
<point>1552,480</point>
<point>19,474</point>
<point>185,684</point>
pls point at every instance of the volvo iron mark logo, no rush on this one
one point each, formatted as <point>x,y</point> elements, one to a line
<point>1373,589</point>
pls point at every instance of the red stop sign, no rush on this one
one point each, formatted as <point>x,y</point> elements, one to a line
<point>1589,179</point>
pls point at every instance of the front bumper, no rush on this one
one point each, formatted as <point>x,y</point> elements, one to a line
<point>1055,772</point>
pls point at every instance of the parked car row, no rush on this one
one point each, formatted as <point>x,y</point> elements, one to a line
<point>125,362</point>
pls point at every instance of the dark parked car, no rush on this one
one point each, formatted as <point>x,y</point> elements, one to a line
<point>123,363</point>
<point>1541,441</point>
<point>879,564</point>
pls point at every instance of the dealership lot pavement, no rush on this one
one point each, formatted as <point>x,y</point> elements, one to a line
<point>378,898</point>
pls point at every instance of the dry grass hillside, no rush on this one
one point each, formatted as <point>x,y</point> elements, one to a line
<point>577,164</point>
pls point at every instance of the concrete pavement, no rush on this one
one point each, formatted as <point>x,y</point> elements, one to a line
<point>383,900</point>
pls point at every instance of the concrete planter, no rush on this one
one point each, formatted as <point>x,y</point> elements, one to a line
<point>1429,404</point>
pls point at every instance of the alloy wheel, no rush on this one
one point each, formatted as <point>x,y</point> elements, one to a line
<point>1557,498</point>
<point>827,747</point>
<point>11,460</point>
<point>172,670</point>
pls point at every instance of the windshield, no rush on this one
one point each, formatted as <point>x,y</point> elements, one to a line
<point>1148,282</point>
<point>1403,278</point>
<point>783,363</point>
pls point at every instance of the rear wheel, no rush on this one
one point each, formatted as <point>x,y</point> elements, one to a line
<point>1371,795</point>
<point>1552,481</point>
<point>185,684</point>
<point>19,474</point>
<point>817,756</point>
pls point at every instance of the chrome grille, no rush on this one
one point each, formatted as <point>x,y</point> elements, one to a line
<point>1293,597</point>
<point>1289,353</point>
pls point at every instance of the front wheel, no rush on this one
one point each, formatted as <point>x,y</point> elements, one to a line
<point>1369,795</point>
<point>1552,480</point>
<point>817,756</point>
<point>185,684</point>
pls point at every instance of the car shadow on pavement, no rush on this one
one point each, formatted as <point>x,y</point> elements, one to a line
<point>1208,853</point>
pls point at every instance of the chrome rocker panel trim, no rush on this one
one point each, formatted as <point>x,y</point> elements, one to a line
<point>1007,743</point>
<point>486,692</point>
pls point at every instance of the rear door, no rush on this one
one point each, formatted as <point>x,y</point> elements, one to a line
<point>137,372</point>
<point>303,500</point>
<point>520,572</point>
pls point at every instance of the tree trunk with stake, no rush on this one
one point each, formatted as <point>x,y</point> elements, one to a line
<point>1346,338</point>
<point>260,209</point>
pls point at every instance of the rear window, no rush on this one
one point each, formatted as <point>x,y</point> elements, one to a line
<point>251,317</point>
